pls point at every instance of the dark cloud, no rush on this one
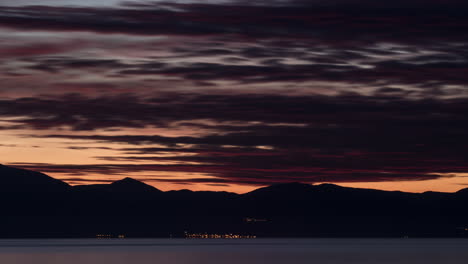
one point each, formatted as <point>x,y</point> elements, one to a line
<point>335,67</point>
<point>259,139</point>
<point>88,148</point>
<point>36,49</point>
<point>406,120</point>
<point>332,40</point>
<point>63,63</point>
<point>387,71</point>
<point>321,112</point>
<point>74,111</point>
<point>304,19</point>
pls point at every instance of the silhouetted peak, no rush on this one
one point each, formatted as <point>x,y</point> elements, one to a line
<point>282,189</point>
<point>21,180</point>
<point>463,191</point>
<point>132,185</point>
<point>127,180</point>
<point>329,187</point>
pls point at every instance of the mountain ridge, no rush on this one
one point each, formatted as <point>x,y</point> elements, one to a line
<point>21,180</point>
<point>133,208</point>
<point>128,182</point>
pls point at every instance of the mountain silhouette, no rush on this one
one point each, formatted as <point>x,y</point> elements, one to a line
<point>280,190</point>
<point>15,180</point>
<point>36,205</point>
<point>463,192</point>
<point>126,185</point>
<point>132,185</point>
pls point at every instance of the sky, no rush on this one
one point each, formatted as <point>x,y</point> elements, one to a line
<point>235,95</point>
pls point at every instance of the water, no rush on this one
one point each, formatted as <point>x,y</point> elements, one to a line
<point>269,251</point>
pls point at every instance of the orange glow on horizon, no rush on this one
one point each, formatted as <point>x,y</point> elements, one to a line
<point>439,185</point>
<point>57,151</point>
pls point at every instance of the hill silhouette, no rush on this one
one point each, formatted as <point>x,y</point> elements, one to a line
<point>36,205</point>
<point>126,185</point>
<point>132,185</point>
<point>15,180</point>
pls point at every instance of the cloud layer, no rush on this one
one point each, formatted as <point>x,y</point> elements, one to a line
<point>260,139</point>
<point>230,92</point>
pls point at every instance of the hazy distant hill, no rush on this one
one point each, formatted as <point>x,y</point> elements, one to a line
<point>36,205</point>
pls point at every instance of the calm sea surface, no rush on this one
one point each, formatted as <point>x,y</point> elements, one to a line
<point>269,251</point>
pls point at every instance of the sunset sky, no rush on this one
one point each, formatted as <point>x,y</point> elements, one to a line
<point>235,95</point>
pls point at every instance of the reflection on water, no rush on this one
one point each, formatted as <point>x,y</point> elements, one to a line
<point>271,251</point>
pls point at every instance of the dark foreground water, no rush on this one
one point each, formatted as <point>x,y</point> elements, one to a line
<point>269,251</point>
